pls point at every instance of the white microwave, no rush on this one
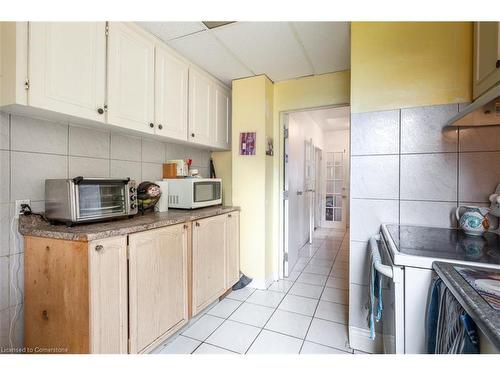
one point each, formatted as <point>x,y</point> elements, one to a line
<point>189,193</point>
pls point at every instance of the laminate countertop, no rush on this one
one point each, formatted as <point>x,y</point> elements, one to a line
<point>34,225</point>
<point>477,306</point>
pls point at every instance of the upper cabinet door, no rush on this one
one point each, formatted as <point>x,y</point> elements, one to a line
<point>486,56</point>
<point>201,111</point>
<point>171,95</point>
<point>67,64</point>
<point>222,131</point>
<point>130,78</point>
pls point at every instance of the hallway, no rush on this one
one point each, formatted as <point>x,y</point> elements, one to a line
<point>305,313</point>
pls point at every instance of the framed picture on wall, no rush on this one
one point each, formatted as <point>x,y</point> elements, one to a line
<point>248,143</point>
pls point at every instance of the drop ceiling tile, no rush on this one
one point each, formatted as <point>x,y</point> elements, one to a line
<point>206,51</point>
<point>170,30</point>
<point>327,44</point>
<point>266,47</point>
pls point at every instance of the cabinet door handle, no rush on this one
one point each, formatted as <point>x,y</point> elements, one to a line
<point>229,215</point>
<point>197,224</point>
<point>45,315</point>
<point>185,226</point>
<point>151,125</point>
<point>100,111</point>
<point>99,247</point>
<point>192,135</point>
<point>160,126</point>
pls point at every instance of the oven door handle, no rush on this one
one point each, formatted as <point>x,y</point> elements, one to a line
<point>377,260</point>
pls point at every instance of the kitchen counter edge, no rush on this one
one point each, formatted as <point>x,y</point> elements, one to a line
<point>35,226</point>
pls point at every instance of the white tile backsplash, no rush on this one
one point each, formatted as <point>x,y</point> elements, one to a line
<point>434,214</point>
<point>88,142</point>
<point>429,177</point>
<point>422,129</point>
<point>375,133</point>
<point>375,177</point>
<point>32,150</point>
<point>34,135</point>
<point>368,214</point>
<point>479,175</point>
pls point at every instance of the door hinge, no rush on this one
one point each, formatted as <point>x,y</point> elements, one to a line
<point>285,133</point>
<point>285,195</point>
<point>285,257</point>
<point>27,84</point>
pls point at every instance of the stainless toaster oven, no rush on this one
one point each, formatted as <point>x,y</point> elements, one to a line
<point>82,199</point>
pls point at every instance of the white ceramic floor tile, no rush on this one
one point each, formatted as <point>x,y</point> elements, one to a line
<point>306,290</point>
<point>275,343</point>
<point>297,304</point>
<point>289,323</point>
<point>234,336</point>
<point>203,327</point>
<point>313,348</point>
<point>292,276</point>
<point>334,282</point>
<point>298,267</point>
<point>340,273</point>
<point>321,262</point>
<point>281,286</point>
<point>255,315</point>
<point>180,345</point>
<point>329,334</point>
<point>241,294</point>
<point>334,312</point>
<point>267,298</point>
<point>210,349</point>
<point>336,295</point>
<point>224,308</point>
<point>311,278</point>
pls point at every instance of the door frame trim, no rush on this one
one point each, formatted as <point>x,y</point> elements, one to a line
<point>279,254</point>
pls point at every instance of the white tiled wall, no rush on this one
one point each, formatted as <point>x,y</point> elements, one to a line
<point>406,168</point>
<point>32,150</point>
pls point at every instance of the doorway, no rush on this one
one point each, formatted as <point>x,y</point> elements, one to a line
<point>315,177</point>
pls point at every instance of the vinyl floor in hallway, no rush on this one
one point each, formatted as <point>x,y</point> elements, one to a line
<point>305,313</point>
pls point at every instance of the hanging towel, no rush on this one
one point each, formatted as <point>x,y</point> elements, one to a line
<point>375,297</point>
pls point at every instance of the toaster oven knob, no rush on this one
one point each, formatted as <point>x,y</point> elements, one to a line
<point>132,197</point>
<point>133,206</point>
<point>133,189</point>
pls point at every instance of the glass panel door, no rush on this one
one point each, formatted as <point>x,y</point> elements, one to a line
<point>100,199</point>
<point>334,188</point>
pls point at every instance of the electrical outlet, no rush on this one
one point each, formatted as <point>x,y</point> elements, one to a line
<point>18,209</point>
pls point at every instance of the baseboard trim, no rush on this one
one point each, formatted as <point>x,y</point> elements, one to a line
<point>359,339</point>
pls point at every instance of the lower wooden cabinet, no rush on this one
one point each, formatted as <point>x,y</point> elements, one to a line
<point>215,258</point>
<point>158,285</point>
<point>75,296</point>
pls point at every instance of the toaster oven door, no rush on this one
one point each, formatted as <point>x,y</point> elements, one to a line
<point>97,199</point>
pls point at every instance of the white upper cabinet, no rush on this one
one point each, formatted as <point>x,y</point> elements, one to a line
<point>131,55</point>
<point>201,108</point>
<point>222,128</point>
<point>67,65</point>
<point>486,56</point>
<point>171,95</point>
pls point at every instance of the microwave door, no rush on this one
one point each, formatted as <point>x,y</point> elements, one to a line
<point>206,191</point>
<point>97,199</point>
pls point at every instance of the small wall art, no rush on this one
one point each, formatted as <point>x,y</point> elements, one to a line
<point>248,143</point>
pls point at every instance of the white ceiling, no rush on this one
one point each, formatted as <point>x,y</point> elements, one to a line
<point>328,119</point>
<point>281,50</point>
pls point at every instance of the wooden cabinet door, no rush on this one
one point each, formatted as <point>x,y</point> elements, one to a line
<point>209,268</point>
<point>67,64</point>
<point>108,295</point>
<point>222,131</point>
<point>486,56</point>
<point>201,108</point>
<point>171,95</point>
<point>233,249</point>
<point>130,78</point>
<point>158,295</point>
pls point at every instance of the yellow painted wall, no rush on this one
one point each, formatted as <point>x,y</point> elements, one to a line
<point>249,173</point>
<point>223,169</point>
<point>410,64</point>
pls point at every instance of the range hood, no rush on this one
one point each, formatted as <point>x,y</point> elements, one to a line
<point>484,111</point>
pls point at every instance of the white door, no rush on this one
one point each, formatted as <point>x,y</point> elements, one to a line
<point>317,189</point>
<point>222,117</point>
<point>201,114</point>
<point>67,67</point>
<point>171,95</point>
<point>309,185</point>
<point>130,78</point>
<point>334,198</point>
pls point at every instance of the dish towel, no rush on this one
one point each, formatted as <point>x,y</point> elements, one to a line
<point>449,329</point>
<point>375,297</point>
